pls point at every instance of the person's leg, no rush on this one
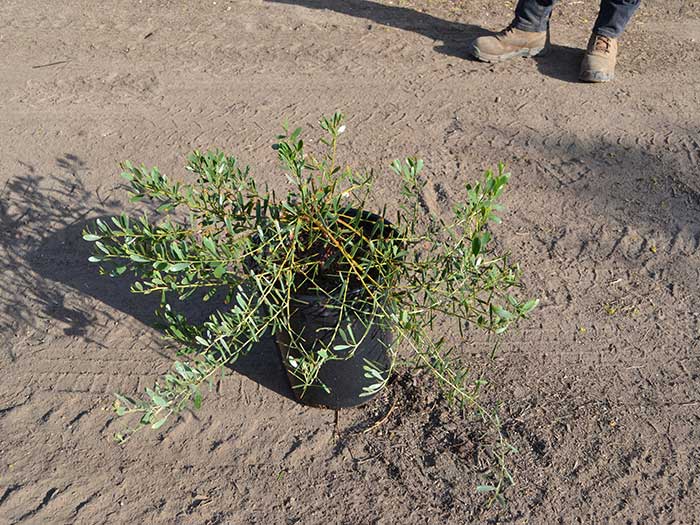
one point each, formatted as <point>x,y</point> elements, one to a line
<point>533,15</point>
<point>526,36</point>
<point>599,62</point>
<point>614,16</point>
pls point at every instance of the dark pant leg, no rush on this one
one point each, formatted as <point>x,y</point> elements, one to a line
<point>533,15</point>
<point>614,16</point>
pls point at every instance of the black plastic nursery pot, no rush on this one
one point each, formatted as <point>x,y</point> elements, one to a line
<point>344,377</point>
<point>312,320</point>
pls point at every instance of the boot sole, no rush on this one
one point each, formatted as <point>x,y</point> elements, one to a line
<point>524,53</point>
<point>595,78</point>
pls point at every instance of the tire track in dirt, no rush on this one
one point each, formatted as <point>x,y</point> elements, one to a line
<point>48,499</point>
<point>557,158</point>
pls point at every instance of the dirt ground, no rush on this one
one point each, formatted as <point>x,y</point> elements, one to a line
<point>600,391</point>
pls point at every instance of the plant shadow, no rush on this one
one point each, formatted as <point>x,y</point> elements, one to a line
<point>42,219</point>
<point>261,364</point>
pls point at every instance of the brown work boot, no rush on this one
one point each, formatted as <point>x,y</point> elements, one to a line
<point>510,43</point>
<point>598,64</point>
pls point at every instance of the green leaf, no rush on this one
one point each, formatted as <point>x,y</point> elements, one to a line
<point>178,267</point>
<point>209,245</point>
<point>220,271</point>
<point>159,400</point>
<point>197,400</point>
<point>179,367</point>
<point>476,246</point>
<point>502,312</point>
<point>530,305</point>
<point>294,135</point>
<point>485,488</point>
<point>91,237</point>
<point>175,249</point>
<point>138,258</point>
<point>159,423</point>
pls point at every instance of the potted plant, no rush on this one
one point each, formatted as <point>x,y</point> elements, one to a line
<point>348,294</point>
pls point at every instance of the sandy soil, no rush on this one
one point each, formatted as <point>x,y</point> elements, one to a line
<point>600,390</point>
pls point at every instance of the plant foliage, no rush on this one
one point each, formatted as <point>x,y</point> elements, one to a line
<point>223,233</point>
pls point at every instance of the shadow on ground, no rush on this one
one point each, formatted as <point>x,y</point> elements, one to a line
<point>562,62</point>
<point>46,263</point>
<point>454,35</point>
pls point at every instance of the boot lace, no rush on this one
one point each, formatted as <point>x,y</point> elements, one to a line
<point>507,30</point>
<point>602,44</point>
